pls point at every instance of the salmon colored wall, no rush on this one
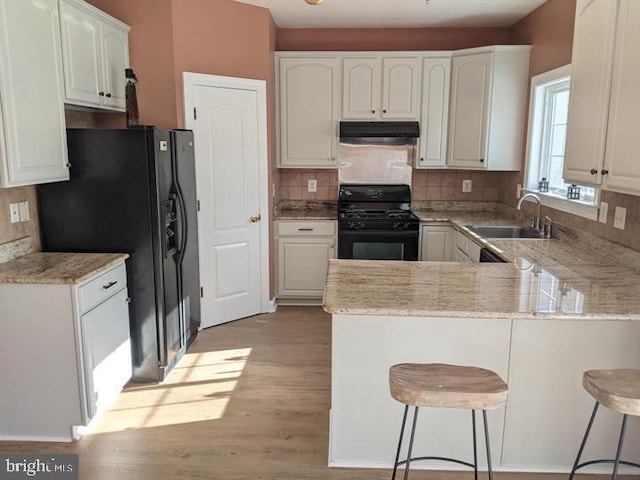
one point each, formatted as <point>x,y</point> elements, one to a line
<point>549,29</point>
<point>389,39</point>
<point>222,37</point>
<point>151,57</point>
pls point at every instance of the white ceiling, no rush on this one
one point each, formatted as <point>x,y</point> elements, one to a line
<point>397,13</point>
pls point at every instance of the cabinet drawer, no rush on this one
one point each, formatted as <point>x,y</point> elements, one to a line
<point>102,287</point>
<point>306,228</point>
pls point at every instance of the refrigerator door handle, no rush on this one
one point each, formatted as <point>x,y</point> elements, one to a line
<point>182,247</point>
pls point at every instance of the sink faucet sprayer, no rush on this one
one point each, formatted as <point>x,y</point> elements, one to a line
<point>544,227</point>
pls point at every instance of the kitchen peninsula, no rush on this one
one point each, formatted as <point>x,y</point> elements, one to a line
<point>561,306</point>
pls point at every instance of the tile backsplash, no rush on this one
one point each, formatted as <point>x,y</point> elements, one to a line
<point>294,182</point>
<point>13,231</point>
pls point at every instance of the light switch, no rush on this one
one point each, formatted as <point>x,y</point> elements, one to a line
<point>312,185</point>
<point>604,210</point>
<point>23,207</point>
<point>466,186</point>
<point>620,218</point>
<point>14,213</point>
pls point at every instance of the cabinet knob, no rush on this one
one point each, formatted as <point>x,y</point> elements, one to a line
<point>101,94</point>
<point>482,160</point>
<point>108,95</point>
<point>68,165</point>
<point>384,111</point>
<point>604,172</point>
<point>373,111</point>
<point>594,171</point>
<point>332,245</point>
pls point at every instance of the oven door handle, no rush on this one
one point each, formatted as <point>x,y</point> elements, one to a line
<point>379,233</point>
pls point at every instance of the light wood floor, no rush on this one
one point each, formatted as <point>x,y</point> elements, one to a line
<point>250,400</point>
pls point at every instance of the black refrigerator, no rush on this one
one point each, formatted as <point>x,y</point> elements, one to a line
<point>134,191</point>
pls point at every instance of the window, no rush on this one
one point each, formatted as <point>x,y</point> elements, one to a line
<point>548,111</point>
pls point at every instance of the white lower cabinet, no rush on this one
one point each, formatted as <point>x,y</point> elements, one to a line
<point>303,252</point>
<point>66,356</point>
<point>466,249</point>
<point>437,242</point>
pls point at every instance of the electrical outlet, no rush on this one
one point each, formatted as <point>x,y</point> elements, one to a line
<point>518,191</point>
<point>23,208</point>
<point>466,186</point>
<point>604,209</point>
<point>312,185</point>
<point>620,218</point>
<point>14,213</point>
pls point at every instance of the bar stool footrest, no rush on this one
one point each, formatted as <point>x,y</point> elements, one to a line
<point>594,462</point>
<point>444,459</point>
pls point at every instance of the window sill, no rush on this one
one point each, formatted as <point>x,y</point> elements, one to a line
<point>569,206</point>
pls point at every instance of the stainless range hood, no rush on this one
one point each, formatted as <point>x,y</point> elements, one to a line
<point>379,133</point>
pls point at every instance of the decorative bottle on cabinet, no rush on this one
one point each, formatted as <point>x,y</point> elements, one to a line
<point>131,98</point>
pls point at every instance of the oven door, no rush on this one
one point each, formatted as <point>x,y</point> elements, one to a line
<point>378,245</point>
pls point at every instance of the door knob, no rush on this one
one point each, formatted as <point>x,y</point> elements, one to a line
<point>254,218</point>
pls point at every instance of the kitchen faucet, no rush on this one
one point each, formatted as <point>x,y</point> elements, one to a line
<point>535,221</point>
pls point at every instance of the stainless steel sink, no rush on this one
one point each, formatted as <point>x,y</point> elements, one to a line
<point>505,231</point>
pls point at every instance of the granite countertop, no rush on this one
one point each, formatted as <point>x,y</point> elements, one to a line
<point>573,276</point>
<point>57,268</point>
<point>292,210</point>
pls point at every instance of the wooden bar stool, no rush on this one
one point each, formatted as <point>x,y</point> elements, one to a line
<point>446,386</point>
<point>618,390</point>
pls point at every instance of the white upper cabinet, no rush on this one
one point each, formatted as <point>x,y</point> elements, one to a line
<point>591,64</point>
<point>309,95</point>
<point>33,146</point>
<point>381,88</point>
<point>488,101</point>
<point>604,106</point>
<point>115,59</point>
<point>435,112</point>
<point>622,154</point>
<point>96,53</point>
<point>361,87</point>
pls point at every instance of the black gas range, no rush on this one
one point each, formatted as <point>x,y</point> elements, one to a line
<point>375,222</point>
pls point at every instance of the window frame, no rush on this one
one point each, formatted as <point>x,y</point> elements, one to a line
<point>535,145</point>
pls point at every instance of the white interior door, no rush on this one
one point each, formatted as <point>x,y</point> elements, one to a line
<point>228,118</point>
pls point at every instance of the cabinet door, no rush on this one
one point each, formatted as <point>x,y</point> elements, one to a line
<point>470,85</point>
<point>591,64</point>
<point>106,351</point>
<point>81,54</point>
<point>361,79</point>
<point>437,243</point>
<point>115,58</point>
<point>401,88</point>
<point>435,112</point>
<point>33,147</point>
<point>623,141</point>
<point>302,265</point>
<point>309,93</point>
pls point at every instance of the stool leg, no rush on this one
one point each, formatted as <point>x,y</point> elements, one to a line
<point>619,452</point>
<point>486,439</point>
<point>475,448</point>
<point>584,440</point>
<point>404,421</point>
<point>413,431</point>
